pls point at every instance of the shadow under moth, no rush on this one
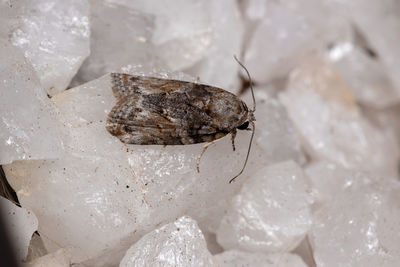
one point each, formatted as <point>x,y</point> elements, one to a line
<point>154,111</point>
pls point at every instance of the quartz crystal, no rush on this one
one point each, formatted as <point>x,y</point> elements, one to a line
<point>52,35</point>
<point>271,213</point>
<point>359,227</point>
<point>29,126</point>
<point>332,126</point>
<point>199,38</point>
<point>235,258</point>
<point>286,32</point>
<point>366,75</point>
<point>329,179</point>
<point>379,25</point>
<point>218,67</point>
<point>60,258</point>
<point>20,224</point>
<point>120,36</point>
<point>275,134</point>
<point>177,244</point>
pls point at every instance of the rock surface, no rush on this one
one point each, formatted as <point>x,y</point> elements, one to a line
<point>20,224</point>
<point>332,126</point>
<point>271,213</point>
<point>176,244</point>
<point>359,227</point>
<point>53,36</point>
<point>29,126</point>
<point>233,258</point>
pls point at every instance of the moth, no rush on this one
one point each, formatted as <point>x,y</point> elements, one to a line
<point>155,111</point>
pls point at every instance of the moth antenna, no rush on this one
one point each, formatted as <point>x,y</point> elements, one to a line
<point>251,83</point>
<point>248,153</point>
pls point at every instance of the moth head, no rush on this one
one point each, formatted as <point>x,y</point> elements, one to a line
<point>250,119</point>
<point>244,126</point>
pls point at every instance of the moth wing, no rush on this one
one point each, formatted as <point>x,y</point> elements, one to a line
<point>124,85</point>
<point>169,117</point>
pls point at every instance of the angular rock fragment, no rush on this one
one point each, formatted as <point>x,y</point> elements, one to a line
<point>53,36</point>
<point>20,224</point>
<point>29,125</point>
<point>176,244</point>
<point>331,125</point>
<point>271,213</point>
<point>235,258</point>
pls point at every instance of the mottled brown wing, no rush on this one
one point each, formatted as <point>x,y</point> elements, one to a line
<point>125,84</point>
<point>163,112</point>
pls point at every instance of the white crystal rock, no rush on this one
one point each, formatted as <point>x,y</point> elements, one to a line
<point>60,258</point>
<point>366,76</point>
<point>20,224</point>
<point>177,244</point>
<point>36,248</point>
<point>29,128</point>
<point>360,227</point>
<point>120,36</point>
<point>183,31</point>
<point>218,67</point>
<point>271,213</point>
<point>305,252</point>
<point>329,179</point>
<point>387,118</point>
<point>53,36</point>
<point>275,133</point>
<point>378,23</point>
<point>286,32</point>
<point>235,258</point>
<point>199,38</point>
<point>332,127</point>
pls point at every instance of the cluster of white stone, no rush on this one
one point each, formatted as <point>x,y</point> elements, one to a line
<point>321,187</point>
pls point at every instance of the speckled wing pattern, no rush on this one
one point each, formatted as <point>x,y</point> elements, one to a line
<point>152,111</point>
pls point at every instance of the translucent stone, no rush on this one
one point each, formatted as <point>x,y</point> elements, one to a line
<point>53,36</point>
<point>120,36</point>
<point>60,258</point>
<point>29,126</point>
<point>177,244</point>
<point>359,227</point>
<point>20,224</point>
<point>331,125</point>
<point>379,25</point>
<point>387,118</point>
<point>235,258</point>
<point>183,31</point>
<point>275,133</point>
<point>218,67</point>
<point>329,179</point>
<point>199,38</point>
<point>36,248</point>
<point>293,30</point>
<point>366,75</point>
<point>271,213</point>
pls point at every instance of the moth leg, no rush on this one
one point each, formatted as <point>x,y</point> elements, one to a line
<point>204,150</point>
<point>233,136</point>
<point>201,154</point>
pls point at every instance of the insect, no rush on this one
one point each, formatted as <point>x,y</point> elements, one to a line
<point>154,111</point>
